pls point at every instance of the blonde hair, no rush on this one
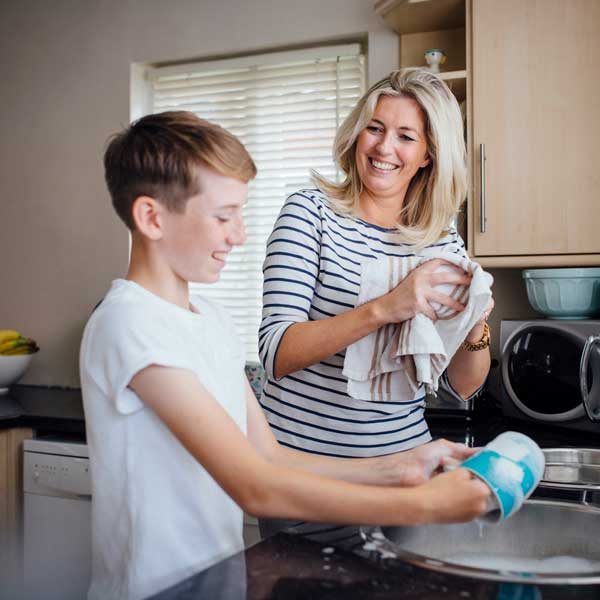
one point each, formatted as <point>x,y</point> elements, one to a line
<point>436,192</point>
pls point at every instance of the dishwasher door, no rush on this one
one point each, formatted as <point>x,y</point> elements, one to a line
<point>57,521</point>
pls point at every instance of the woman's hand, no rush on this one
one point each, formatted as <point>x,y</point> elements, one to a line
<point>417,465</point>
<point>417,291</point>
<point>476,332</point>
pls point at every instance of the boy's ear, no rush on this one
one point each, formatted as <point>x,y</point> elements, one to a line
<point>146,214</point>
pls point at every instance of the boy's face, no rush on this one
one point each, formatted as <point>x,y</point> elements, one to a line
<point>196,242</point>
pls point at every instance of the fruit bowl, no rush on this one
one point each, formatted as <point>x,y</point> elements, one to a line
<point>564,293</point>
<point>12,368</point>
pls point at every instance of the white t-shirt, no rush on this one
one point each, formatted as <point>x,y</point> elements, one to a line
<point>157,515</point>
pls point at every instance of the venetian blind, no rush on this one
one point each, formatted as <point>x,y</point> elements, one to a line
<point>285,108</point>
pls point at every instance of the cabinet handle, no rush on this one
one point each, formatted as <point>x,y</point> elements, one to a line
<point>482,188</point>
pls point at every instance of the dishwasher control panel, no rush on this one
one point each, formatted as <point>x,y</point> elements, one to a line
<point>56,475</point>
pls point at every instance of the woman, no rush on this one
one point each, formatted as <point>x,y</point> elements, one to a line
<point>403,153</point>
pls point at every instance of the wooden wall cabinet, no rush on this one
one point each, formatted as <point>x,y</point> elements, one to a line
<point>535,91</point>
<point>11,507</point>
<point>533,121</point>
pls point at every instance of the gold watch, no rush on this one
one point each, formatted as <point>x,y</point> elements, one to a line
<point>483,343</point>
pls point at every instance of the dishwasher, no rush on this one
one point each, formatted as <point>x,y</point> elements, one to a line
<point>57,519</point>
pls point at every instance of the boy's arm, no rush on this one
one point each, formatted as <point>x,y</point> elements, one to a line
<point>412,467</point>
<point>265,489</point>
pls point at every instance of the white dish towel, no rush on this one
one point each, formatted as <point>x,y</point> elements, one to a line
<point>397,359</point>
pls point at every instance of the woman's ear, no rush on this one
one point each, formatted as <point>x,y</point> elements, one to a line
<point>426,162</point>
<point>146,213</point>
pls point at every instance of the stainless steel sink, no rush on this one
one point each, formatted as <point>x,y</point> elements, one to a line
<point>538,533</point>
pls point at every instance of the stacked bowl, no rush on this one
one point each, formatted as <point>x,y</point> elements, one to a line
<point>572,293</point>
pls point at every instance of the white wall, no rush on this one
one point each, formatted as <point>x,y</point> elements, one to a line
<point>64,87</point>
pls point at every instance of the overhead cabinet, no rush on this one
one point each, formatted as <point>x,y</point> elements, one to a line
<point>528,70</point>
<point>535,131</point>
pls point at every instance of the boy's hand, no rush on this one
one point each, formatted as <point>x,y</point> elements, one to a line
<point>465,497</point>
<point>416,466</point>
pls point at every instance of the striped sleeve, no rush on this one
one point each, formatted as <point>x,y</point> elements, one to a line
<point>450,395</point>
<point>290,273</point>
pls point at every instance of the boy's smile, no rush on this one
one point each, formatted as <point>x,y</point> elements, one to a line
<point>220,256</point>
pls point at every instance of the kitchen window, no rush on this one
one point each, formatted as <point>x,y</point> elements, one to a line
<point>285,107</point>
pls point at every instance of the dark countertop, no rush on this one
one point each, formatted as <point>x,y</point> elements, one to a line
<point>53,409</point>
<point>295,565</point>
<point>61,410</point>
<point>289,567</point>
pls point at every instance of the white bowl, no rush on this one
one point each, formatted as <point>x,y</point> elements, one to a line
<point>12,368</point>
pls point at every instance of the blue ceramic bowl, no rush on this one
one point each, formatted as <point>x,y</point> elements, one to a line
<point>564,293</point>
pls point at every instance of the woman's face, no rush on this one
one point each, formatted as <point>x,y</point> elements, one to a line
<point>391,148</point>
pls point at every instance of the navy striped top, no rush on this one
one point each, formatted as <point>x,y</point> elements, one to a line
<point>312,271</point>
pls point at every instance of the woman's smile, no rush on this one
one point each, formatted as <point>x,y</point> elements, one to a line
<point>382,165</point>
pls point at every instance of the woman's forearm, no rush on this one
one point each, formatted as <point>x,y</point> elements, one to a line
<point>305,344</point>
<point>467,370</point>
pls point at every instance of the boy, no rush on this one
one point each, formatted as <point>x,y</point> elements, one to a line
<point>178,442</point>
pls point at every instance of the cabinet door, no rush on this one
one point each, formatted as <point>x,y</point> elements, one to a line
<point>536,107</point>
<point>11,510</point>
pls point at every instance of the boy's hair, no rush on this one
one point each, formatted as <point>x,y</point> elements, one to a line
<point>159,155</point>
